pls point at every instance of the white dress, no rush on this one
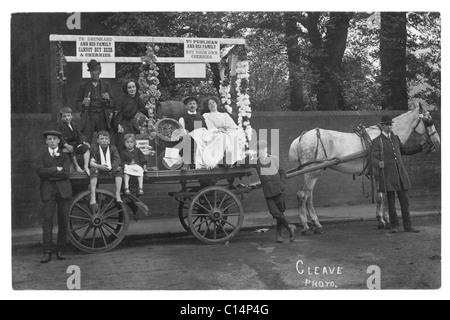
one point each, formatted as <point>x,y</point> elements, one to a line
<point>222,138</point>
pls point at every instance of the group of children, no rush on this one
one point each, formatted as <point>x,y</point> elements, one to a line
<point>102,158</point>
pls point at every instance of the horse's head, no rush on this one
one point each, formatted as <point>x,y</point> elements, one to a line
<point>426,128</point>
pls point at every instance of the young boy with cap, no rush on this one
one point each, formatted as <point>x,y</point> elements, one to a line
<point>273,179</point>
<point>105,159</point>
<point>53,169</point>
<point>72,141</point>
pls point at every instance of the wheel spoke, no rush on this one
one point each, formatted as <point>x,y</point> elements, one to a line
<point>199,225</point>
<point>204,196</point>
<point>93,238</point>
<point>215,231</point>
<point>83,209</point>
<point>221,225</point>
<point>79,218</point>
<point>200,215</point>
<point>111,214</point>
<point>215,199</point>
<point>80,227</point>
<point>116,223</point>
<point>111,230</point>
<point>86,233</point>
<point>233,204</point>
<point>223,201</point>
<point>229,224</point>
<point>232,215</point>
<point>102,232</point>
<point>107,207</point>
<point>207,229</point>
<point>196,219</point>
<point>198,203</point>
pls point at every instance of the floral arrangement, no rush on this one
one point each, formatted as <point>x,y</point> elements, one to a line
<point>243,99</point>
<point>148,83</point>
<point>61,63</point>
<point>225,94</point>
<point>239,89</point>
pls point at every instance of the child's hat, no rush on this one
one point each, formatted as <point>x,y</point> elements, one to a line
<point>52,133</point>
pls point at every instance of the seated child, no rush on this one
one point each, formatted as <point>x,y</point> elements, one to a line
<point>105,159</point>
<point>133,162</point>
<point>72,141</point>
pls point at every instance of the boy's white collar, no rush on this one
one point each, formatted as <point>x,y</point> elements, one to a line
<point>53,151</point>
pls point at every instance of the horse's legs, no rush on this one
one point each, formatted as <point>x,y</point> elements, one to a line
<point>305,202</point>
<point>302,211</point>
<point>312,211</point>
<point>379,211</point>
<point>382,215</point>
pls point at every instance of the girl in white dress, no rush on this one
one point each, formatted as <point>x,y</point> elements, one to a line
<point>223,140</point>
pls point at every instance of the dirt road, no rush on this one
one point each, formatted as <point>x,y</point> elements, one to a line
<point>338,259</point>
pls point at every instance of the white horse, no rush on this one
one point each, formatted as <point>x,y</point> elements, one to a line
<point>320,144</point>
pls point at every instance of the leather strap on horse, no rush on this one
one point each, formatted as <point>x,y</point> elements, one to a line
<point>366,141</point>
<point>316,154</point>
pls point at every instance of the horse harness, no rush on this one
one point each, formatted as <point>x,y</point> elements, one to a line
<point>428,122</point>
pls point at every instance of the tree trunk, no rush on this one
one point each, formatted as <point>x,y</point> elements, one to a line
<point>393,38</point>
<point>334,46</point>
<point>293,51</point>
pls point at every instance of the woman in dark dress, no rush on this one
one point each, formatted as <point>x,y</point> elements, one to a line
<point>126,109</point>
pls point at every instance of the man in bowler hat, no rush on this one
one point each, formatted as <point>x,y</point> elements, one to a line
<point>53,168</point>
<point>95,101</point>
<point>390,173</point>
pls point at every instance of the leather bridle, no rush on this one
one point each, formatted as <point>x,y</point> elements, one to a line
<point>429,124</point>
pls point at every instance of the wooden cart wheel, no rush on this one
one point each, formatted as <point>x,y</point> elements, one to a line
<point>215,215</point>
<point>183,210</point>
<point>99,228</point>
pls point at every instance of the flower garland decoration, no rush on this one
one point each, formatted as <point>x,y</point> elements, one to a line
<point>225,94</point>
<point>148,83</point>
<point>243,99</point>
<point>61,63</point>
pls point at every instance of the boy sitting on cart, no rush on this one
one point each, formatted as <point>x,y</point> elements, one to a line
<point>105,159</point>
<point>72,141</point>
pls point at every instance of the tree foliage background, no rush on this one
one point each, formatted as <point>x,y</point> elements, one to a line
<point>298,60</point>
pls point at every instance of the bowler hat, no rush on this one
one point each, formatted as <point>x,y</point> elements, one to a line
<point>386,120</point>
<point>92,64</point>
<point>52,133</point>
<point>189,99</point>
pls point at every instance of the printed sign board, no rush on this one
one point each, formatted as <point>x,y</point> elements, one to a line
<point>202,50</point>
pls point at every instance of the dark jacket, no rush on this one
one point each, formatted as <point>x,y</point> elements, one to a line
<point>190,119</point>
<point>394,176</point>
<point>128,156</point>
<point>51,178</point>
<point>97,103</point>
<point>115,156</point>
<point>273,182</point>
<point>72,137</point>
<point>125,111</point>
